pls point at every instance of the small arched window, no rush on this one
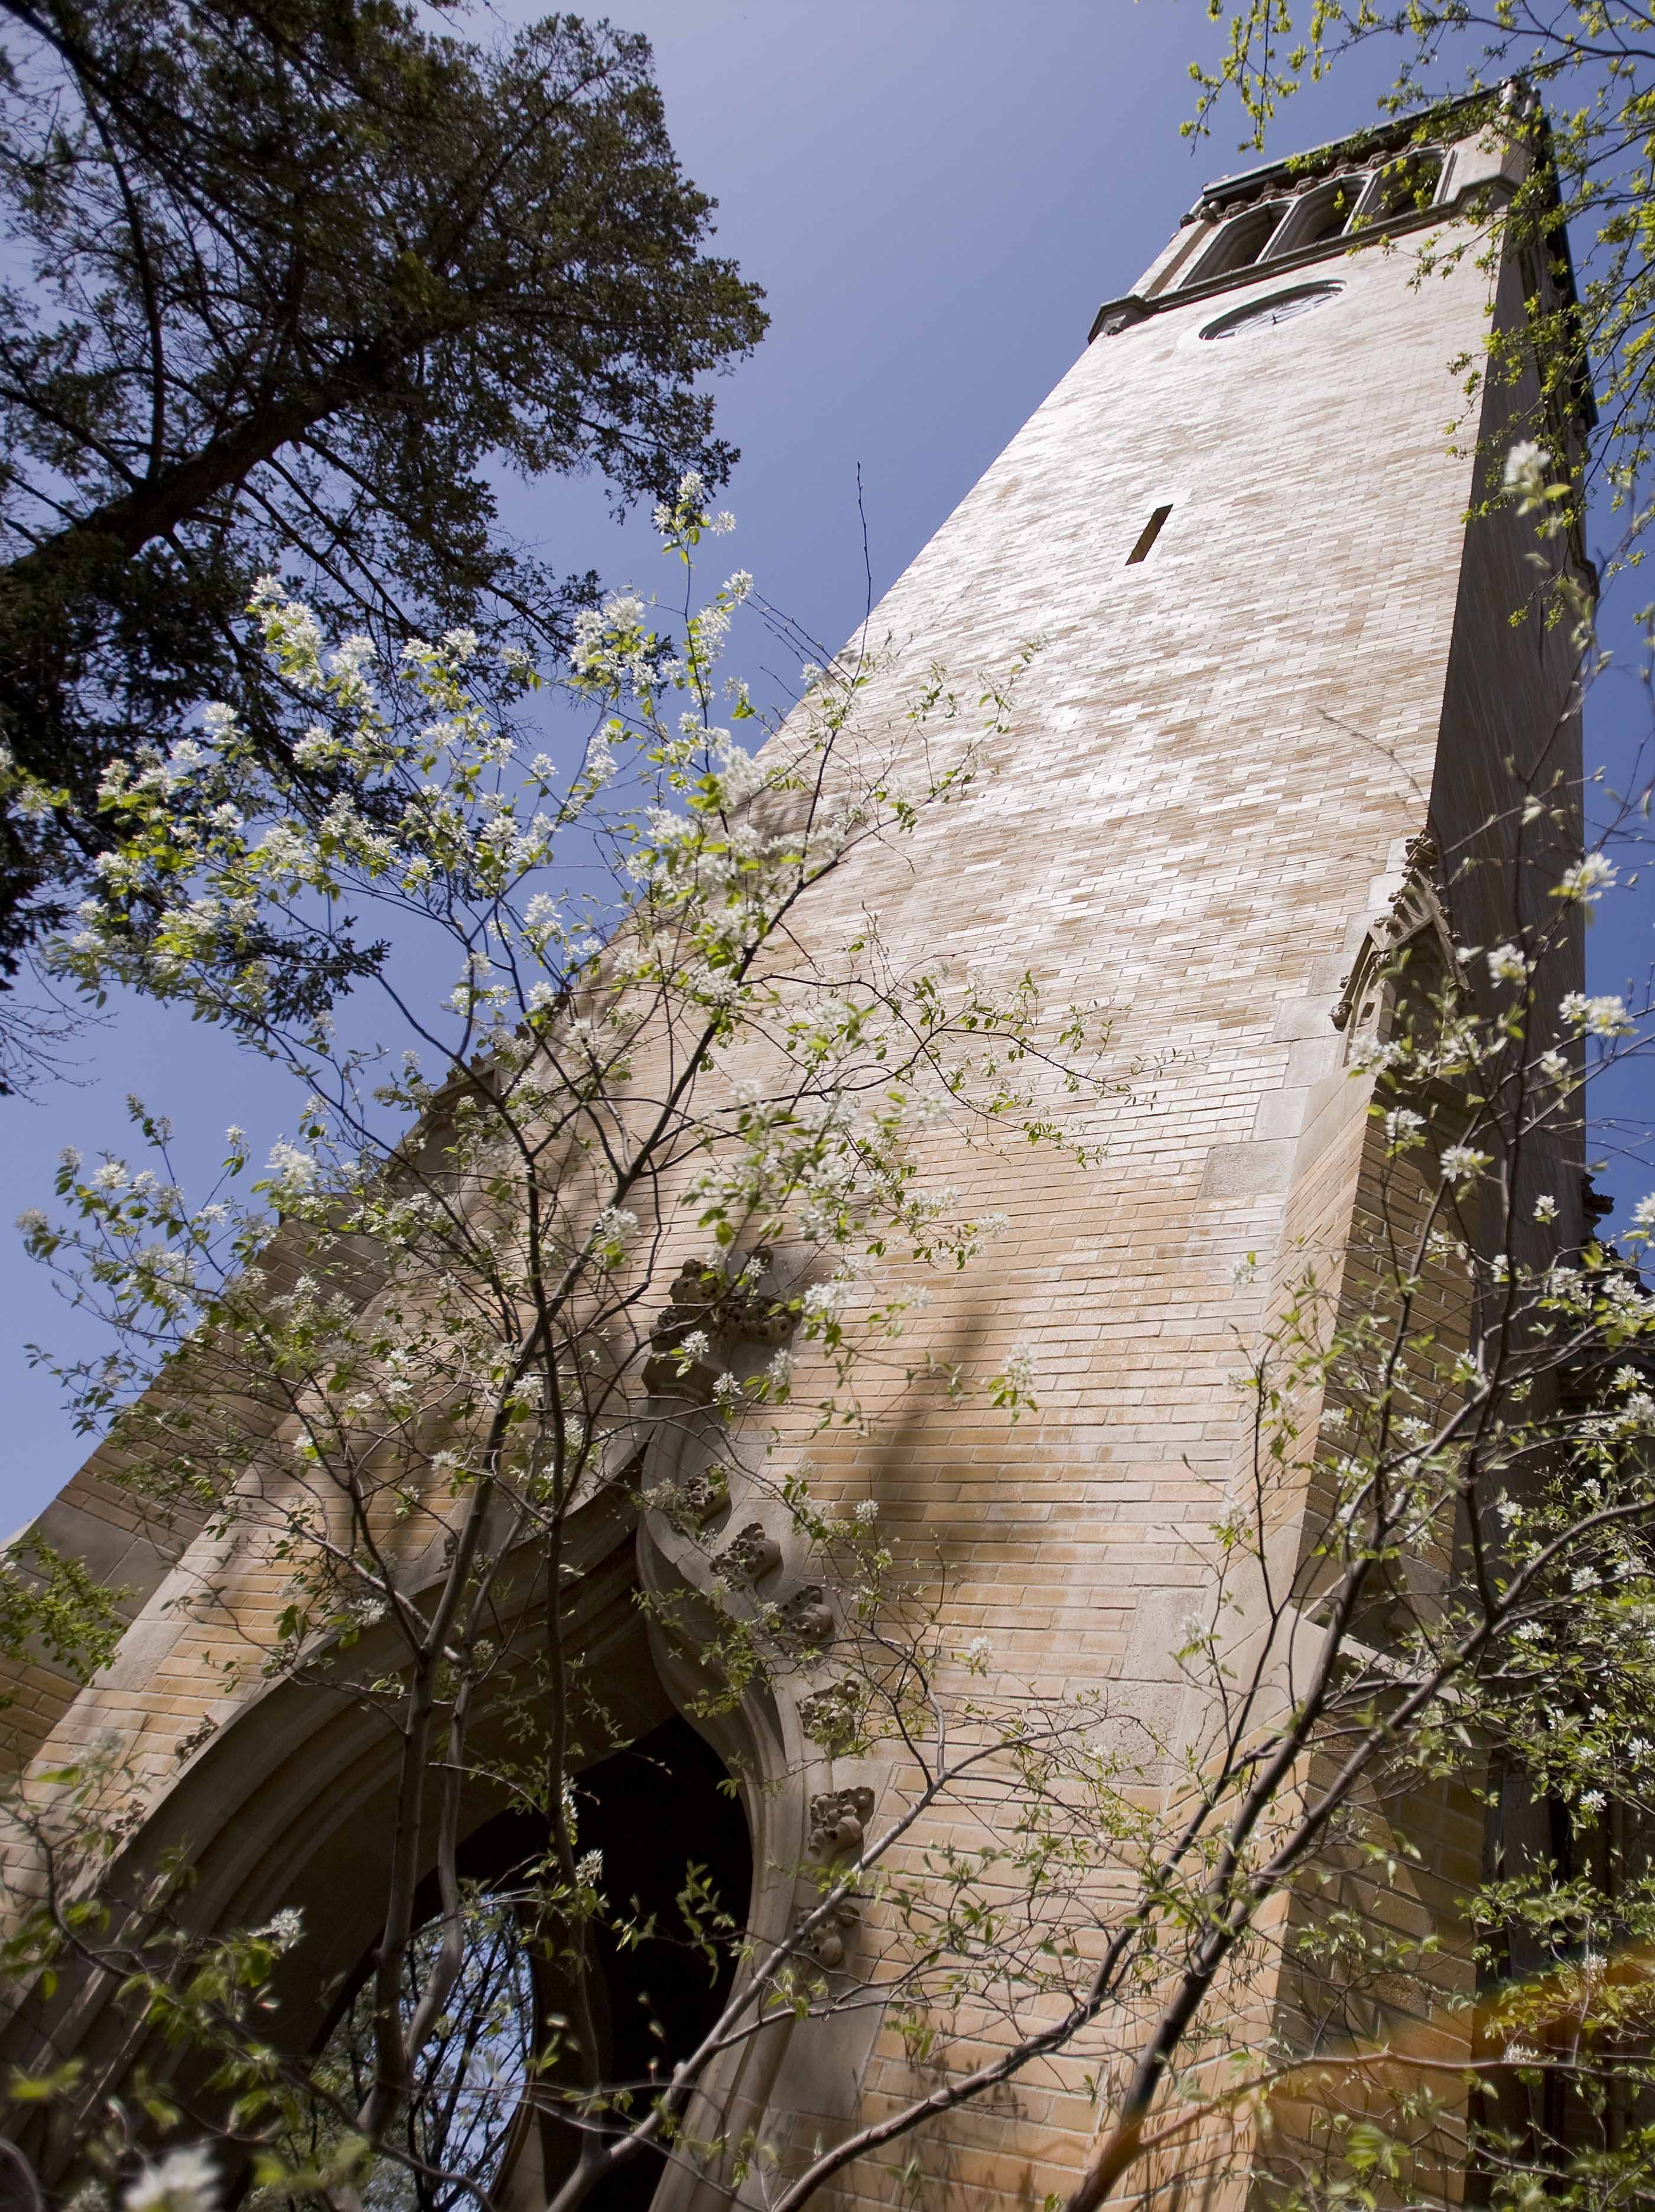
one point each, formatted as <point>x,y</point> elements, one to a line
<point>1404,186</point>
<point>1239,243</point>
<point>1318,216</point>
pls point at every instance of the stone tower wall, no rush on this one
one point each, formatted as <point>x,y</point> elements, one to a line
<point>1220,754</point>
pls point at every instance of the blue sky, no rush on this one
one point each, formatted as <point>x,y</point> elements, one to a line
<point>936,198</point>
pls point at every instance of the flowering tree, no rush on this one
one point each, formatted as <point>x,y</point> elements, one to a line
<point>499,1257</point>
<point>568,1255</point>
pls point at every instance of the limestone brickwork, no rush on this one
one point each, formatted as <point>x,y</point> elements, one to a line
<point>1220,754</point>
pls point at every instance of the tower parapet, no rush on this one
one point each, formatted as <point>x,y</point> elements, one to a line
<point>1463,159</point>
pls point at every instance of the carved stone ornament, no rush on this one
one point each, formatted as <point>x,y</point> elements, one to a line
<point>695,1381</point>
<point>699,1498</point>
<point>704,1298</point>
<point>808,1618</point>
<point>1414,920</point>
<point>751,1553</point>
<point>827,1939</point>
<point>838,1822</point>
<point>832,1717</point>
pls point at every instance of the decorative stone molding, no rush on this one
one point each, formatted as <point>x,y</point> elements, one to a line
<point>1415,921</point>
<point>698,1499</point>
<point>693,1381</point>
<point>838,1822</point>
<point>827,1939</point>
<point>832,1717</point>
<point>808,1618</point>
<point>750,1554</point>
<point>704,1298</point>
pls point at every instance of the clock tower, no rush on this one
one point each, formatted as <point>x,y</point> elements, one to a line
<point>1278,702</point>
<point>1278,692</point>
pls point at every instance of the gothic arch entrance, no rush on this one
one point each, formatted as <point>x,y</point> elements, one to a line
<point>653,1810</point>
<point>287,1803</point>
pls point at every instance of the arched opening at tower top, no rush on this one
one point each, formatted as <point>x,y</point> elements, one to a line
<point>652,1811</point>
<point>1238,244</point>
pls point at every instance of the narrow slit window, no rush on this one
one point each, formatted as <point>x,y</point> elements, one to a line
<point>1150,533</point>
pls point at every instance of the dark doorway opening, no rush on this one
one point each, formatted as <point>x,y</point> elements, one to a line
<point>653,1810</point>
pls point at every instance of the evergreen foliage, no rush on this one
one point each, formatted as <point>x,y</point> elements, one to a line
<point>288,282</point>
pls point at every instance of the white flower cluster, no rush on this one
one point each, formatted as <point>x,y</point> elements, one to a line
<point>1404,1128</point>
<point>612,1227</point>
<point>1525,466</point>
<point>1462,1163</point>
<point>1604,1015</point>
<point>1018,1369</point>
<point>183,2181</point>
<point>1587,880</point>
<point>291,1171</point>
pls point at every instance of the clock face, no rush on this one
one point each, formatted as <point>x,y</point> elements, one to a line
<point>1265,314</point>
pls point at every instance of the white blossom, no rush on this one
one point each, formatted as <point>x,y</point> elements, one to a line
<point>1604,1015</point>
<point>1526,464</point>
<point>1507,963</point>
<point>1545,1207</point>
<point>289,1168</point>
<point>1588,880</point>
<point>1460,1163</point>
<point>284,1929</point>
<point>1554,1067</point>
<point>183,2181</point>
<point>778,1375</point>
<point>1020,1369</point>
<point>827,1301</point>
